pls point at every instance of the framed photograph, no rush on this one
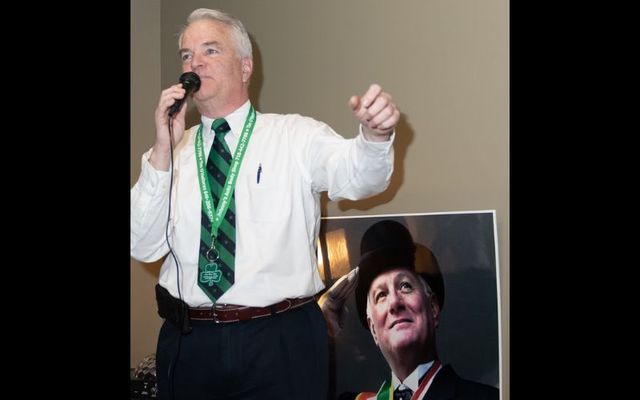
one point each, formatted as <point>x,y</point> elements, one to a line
<point>468,338</point>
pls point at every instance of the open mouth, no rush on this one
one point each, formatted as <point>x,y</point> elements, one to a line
<point>399,321</point>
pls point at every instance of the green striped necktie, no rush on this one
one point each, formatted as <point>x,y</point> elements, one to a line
<point>215,276</point>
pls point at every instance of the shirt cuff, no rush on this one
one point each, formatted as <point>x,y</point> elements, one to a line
<point>375,148</point>
<point>152,181</point>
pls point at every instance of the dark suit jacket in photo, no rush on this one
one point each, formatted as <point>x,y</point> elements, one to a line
<point>447,385</point>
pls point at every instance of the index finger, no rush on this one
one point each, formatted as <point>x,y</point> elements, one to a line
<point>354,102</point>
<point>369,97</point>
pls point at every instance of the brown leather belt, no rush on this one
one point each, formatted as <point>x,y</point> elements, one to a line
<point>232,313</point>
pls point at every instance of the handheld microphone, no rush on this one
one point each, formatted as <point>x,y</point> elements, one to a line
<point>191,83</point>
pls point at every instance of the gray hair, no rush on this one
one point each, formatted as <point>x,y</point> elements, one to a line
<point>240,35</point>
<point>427,290</point>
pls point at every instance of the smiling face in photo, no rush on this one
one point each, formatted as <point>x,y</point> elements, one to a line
<point>401,314</point>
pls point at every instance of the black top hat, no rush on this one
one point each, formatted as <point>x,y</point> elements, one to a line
<point>388,245</point>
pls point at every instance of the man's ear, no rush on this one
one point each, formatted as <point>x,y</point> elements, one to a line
<point>247,69</point>
<point>372,329</point>
<point>435,310</point>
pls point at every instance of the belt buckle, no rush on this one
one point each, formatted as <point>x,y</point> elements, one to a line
<point>214,315</point>
<point>214,312</point>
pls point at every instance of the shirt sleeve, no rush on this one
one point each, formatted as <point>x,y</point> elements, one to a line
<point>149,209</point>
<point>351,169</point>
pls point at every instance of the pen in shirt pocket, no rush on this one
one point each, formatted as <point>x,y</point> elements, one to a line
<point>259,173</point>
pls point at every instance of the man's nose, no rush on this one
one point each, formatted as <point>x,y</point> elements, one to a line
<point>396,302</point>
<point>197,62</point>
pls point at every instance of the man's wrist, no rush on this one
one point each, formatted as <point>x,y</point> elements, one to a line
<point>371,136</point>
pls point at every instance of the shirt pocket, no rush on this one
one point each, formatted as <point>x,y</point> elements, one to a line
<point>267,201</point>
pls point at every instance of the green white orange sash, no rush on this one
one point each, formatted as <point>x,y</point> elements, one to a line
<point>386,391</point>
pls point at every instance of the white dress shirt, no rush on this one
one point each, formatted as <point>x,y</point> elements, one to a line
<point>413,380</point>
<point>277,218</point>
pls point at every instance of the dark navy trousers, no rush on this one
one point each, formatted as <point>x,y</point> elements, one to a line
<point>283,356</point>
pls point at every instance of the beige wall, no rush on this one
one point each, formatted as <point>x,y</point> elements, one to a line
<point>445,63</point>
<point>145,89</point>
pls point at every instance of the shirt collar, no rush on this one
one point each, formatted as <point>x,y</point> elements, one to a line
<point>412,381</point>
<point>235,120</point>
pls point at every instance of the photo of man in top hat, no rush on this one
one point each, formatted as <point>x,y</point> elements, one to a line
<point>399,299</point>
<point>401,308</point>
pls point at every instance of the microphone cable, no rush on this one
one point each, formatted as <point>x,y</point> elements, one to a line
<point>191,83</point>
<point>172,364</point>
<point>166,232</point>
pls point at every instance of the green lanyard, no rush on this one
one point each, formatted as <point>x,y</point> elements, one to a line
<point>217,215</point>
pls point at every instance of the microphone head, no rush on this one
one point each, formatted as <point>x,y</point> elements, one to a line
<point>190,81</point>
